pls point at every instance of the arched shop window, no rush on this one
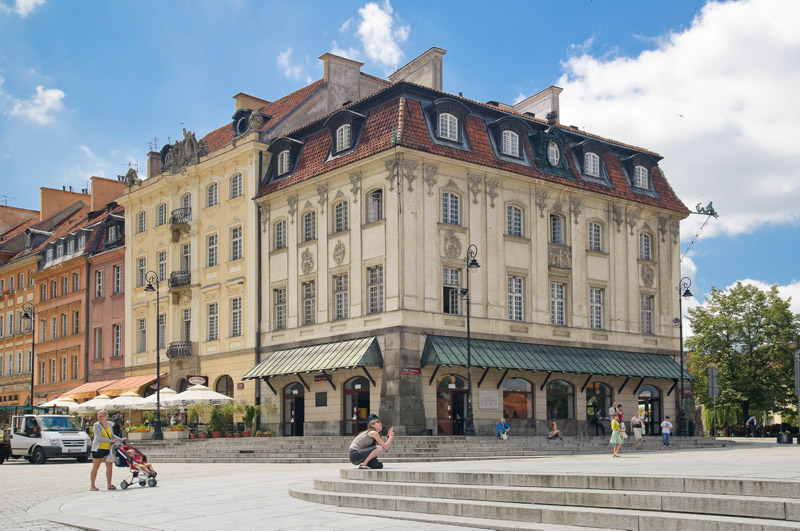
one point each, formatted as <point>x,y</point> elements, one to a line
<point>225,385</point>
<point>560,400</point>
<point>517,399</point>
<point>598,397</point>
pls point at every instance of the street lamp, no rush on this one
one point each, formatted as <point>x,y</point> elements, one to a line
<point>793,344</point>
<point>29,312</point>
<point>152,277</point>
<point>469,260</point>
<point>683,291</point>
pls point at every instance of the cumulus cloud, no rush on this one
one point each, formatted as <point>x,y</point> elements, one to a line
<point>23,8</point>
<point>291,70</point>
<point>39,107</point>
<point>717,100</point>
<point>349,52</point>
<point>380,36</point>
<point>790,290</point>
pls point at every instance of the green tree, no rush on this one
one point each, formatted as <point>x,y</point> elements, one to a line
<point>745,333</point>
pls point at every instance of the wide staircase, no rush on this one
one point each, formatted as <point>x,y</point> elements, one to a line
<point>508,502</point>
<point>410,449</point>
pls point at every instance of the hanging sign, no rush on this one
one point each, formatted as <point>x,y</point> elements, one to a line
<point>412,370</point>
<point>197,380</point>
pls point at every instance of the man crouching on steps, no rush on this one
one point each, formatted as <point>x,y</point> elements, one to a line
<point>367,445</point>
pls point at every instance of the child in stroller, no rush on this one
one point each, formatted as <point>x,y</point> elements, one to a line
<point>128,456</point>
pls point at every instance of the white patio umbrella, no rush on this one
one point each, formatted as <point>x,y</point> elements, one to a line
<point>124,401</point>
<point>197,394</point>
<point>97,403</point>
<point>149,402</point>
<point>69,403</point>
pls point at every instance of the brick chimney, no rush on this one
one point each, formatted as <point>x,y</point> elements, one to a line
<point>425,70</point>
<point>246,101</point>
<point>105,191</point>
<point>154,164</point>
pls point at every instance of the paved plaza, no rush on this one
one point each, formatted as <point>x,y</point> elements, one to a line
<point>202,496</point>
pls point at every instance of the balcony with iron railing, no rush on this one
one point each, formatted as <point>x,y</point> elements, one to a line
<point>179,350</point>
<point>180,216</point>
<point>179,279</point>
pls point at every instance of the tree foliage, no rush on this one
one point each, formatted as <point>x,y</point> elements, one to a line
<point>745,333</point>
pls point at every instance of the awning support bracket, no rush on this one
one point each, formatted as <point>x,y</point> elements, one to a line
<point>430,382</point>
<point>329,378</point>
<point>368,376</point>
<point>638,386</point>
<point>502,379</point>
<point>303,382</point>
<point>624,384</point>
<point>549,374</point>
<point>485,372</point>
<point>589,379</point>
<point>672,388</point>
<point>266,381</point>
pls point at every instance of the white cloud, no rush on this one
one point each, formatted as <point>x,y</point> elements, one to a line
<point>350,52</point>
<point>717,100</point>
<point>23,8</point>
<point>381,40</point>
<point>39,106</point>
<point>346,26</point>
<point>290,70</point>
<point>791,290</point>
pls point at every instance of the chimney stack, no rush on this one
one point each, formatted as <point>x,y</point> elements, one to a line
<point>425,70</point>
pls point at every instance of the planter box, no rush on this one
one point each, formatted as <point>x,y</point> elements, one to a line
<point>140,436</point>
<point>176,434</point>
<point>785,439</point>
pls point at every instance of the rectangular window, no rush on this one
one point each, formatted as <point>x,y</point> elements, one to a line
<point>236,317</point>
<point>44,291</point>
<point>213,321</point>
<point>450,208</point>
<point>76,282</point>
<point>557,304</point>
<point>117,279</point>
<point>236,243</point>
<point>53,328</point>
<point>596,308</point>
<point>141,222</point>
<point>10,323</point>
<point>53,370</point>
<point>187,257</point>
<point>22,281</point>
<point>28,361</point>
<point>60,251</point>
<point>340,221</point>
<point>187,325</point>
<point>595,237</point>
<point>647,314</point>
<point>64,325</point>
<point>556,229</point>
<point>645,250</point>
<point>43,330</point>
<point>54,290</point>
<point>19,362</point>
<point>236,186</point>
<point>375,206</point>
<point>42,368</point>
<point>141,344</point>
<point>515,306</point>
<point>141,271</point>
<point>340,296</point>
<point>98,343</point>
<point>31,281</point>
<point>279,302</point>
<point>76,322</point>
<point>65,286</point>
<point>280,235</point>
<point>98,284</point>
<point>514,221</point>
<point>375,289</point>
<point>309,302</point>
<point>117,333</point>
<point>211,250</point>
<point>161,260</point>
<point>162,330</point>
<point>63,369</point>
<point>2,330</point>
<point>451,284</point>
<point>309,226</point>
<point>74,367</point>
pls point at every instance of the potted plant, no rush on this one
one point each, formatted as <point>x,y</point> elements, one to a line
<point>218,423</point>
<point>784,437</point>
<point>178,431</point>
<point>267,433</point>
<point>249,417</point>
<point>140,433</point>
<point>259,433</point>
<point>267,410</point>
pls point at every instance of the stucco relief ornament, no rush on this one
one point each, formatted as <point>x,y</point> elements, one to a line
<point>339,252</point>
<point>292,200</point>
<point>662,226</point>
<point>475,186</point>
<point>355,185</point>
<point>452,245</point>
<point>541,201</point>
<point>322,192</point>
<point>339,194</point>
<point>256,121</point>
<point>429,176</point>
<point>308,205</point>
<point>631,217</point>
<point>265,210</point>
<point>491,189</point>
<point>560,257</point>
<point>616,215</point>
<point>184,152</point>
<point>408,167</point>
<point>575,207</point>
<point>557,206</point>
<point>307,261</point>
<point>392,167</point>
<point>648,275</point>
<point>675,230</point>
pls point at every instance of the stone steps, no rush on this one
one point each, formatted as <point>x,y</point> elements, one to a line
<point>527,501</point>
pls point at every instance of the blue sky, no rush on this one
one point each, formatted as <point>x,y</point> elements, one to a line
<point>86,87</point>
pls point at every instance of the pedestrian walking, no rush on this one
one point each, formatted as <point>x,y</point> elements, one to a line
<point>666,430</point>
<point>752,426</point>
<point>636,428</point>
<point>616,436</point>
<point>101,448</point>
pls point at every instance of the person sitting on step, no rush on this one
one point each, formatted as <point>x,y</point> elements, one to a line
<point>553,431</point>
<point>502,429</point>
<point>367,445</point>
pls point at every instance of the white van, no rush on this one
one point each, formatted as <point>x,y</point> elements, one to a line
<point>38,438</point>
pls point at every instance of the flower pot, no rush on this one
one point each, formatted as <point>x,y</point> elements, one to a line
<point>228,435</point>
<point>140,436</point>
<point>267,435</point>
<point>216,434</point>
<point>177,434</point>
<point>784,438</point>
<point>236,435</point>
<point>203,435</point>
<point>192,436</point>
<point>259,434</point>
<point>246,434</point>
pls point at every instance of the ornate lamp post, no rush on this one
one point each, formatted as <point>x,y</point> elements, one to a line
<point>683,291</point>
<point>151,277</point>
<point>471,263</point>
<point>29,312</point>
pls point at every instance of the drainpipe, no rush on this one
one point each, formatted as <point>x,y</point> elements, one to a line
<point>258,279</point>
<point>86,326</point>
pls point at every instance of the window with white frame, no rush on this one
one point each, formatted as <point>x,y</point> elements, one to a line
<point>43,330</point>
<point>553,154</point>
<point>283,162</point>
<point>22,281</point>
<point>98,284</point>
<point>75,367</point>
<point>596,308</point>
<point>510,143</point>
<point>52,370</point>
<point>647,313</point>
<point>645,248</point>
<point>186,257</point>
<point>53,328</point>
<point>162,330</point>
<point>279,308</point>
<point>64,285</point>
<point>213,322</point>
<point>448,126</point>
<point>235,186</point>
<point>116,331</point>
<point>42,367</point>
<point>513,221</point>
<point>451,284</point>
<point>212,195</point>
<point>54,289</point>
<point>236,243</point>
<point>76,281</point>
<point>186,204</point>
<point>375,289</point>
<point>236,317</point>
<point>591,164</point>
<point>309,290</point>
<point>141,222</point>
<point>340,218</point>
<point>343,137</point>
<point>60,250</point>
<point>10,323</point>
<point>64,325</point>
<point>641,178</point>
<point>450,208</point>
<point>211,250</point>
<point>557,229</point>
<point>187,324</point>
<point>279,237</point>
<point>141,271</point>
<point>375,206</point>
<point>595,236</point>
<point>118,278</point>
<point>161,266</point>
<point>161,214</point>
<point>2,358</point>
<point>309,226</point>
<point>98,343</point>
<point>557,304</point>
<point>2,329</point>
<point>49,255</point>
<point>340,296</point>
<point>28,361</point>
<point>515,304</point>
<point>141,327</point>
<point>76,322</point>
<point>63,369</point>
<point>71,246</point>
<point>82,240</point>
<point>19,362</point>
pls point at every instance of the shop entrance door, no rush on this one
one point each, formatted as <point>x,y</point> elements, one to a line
<point>650,409</point>
<point>293,410</point>
<point>356,405</point>
<point>451,404</point>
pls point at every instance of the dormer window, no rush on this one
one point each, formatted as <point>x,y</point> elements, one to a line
<point>70,246</point>
<point>343,137</point>
<point>510,143</point>
<point>283,162</point>
<point>553,153</point>
<point>448,127</point>
<point>59,251</point>
<point>81,241</point>
<point>591,164</point>
<point>641,177</point>
<point>638,169</point>
<point>286,153</point>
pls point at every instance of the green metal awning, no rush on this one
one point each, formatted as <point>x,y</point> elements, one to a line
<point>316,358</point>
<point>441,350</point>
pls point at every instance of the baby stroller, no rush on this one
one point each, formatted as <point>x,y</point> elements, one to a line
<point>134,463</point>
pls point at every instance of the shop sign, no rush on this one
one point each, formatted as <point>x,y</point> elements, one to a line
<point>321,378</point>
<point>240,385</point>
<point>197,380</point>
<point>412,370</point>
